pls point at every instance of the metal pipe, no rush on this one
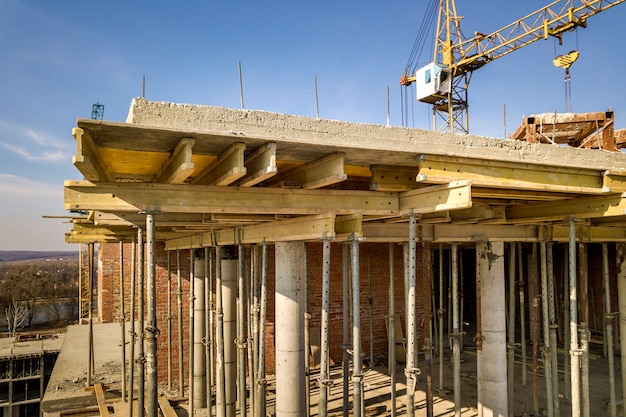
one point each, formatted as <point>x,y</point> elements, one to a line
<point>573,299</point>
<point>545,309</point>
<point>324,381</point>
<point>199,332</point>
<point>620,261</point>
<point>152,331</point>
<point>241,334</point>
<point>346,330</point>
<point>192,334</point>
<point>511,328</point>
<point>357,362</point>
<point>456,351</point>
<point>553,333</point>
<point>181,382</point>
<point>169,321</point>
<point>141,375</point>
<point>534,322</point>
<point>411,370</point>
<point>219,337</point>
<point>133,336</point>
<point>567,389</point>
<point>122,321</point>
<point>208,339</point>
<point>90,364</point>
<point>250,313</point>
<point>307,339</point>
<point>584,328</point>
<point>427,274</point>
<point>229,309</point>
<point>370,305</point>
<point>261,382</point>
<point>608,314</point>
<point>392,329</point>
<point>522,308</point>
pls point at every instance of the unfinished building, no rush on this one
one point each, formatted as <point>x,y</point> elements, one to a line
<point>317,251</point>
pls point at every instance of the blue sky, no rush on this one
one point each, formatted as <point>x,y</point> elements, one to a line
<point>57,58</point>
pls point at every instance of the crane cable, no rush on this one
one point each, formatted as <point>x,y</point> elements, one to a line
<point>426,29</point>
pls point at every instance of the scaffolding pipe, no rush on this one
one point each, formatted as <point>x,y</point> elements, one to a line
<point>370,304</point>
<point>169,321</point>
<point>229,310</point>
<point>511,328</point>
<point>122,321</point>
<point>456,350</point>
<point>553,328</point>
<point>573,309</point>
<point>199,333</point>
<point>427,274</point>
<point>440,313</point>
<point>141,360</point>
<point>357,367</point>
<point>584,328</point>
<point>192,335</point>
<point>152,331</point>
<point>261,386</point>
<point>545,310</point>
<point>90,364</point>
<point>620,249</point>
<point>346,330</point>
<point>608,314</point>
<point>567,390</point>
<point>208,331</point>
<point>534,322</point>
<point>411,371</point>
<point>219,337</point>
<point>253,324</point>
<point>522,308</point>
<point>307,339</point>
<point>392,329</point>
<point>324,381</point>
<point>181,384</point>
<point>241,334</point>
<point>133,336</point>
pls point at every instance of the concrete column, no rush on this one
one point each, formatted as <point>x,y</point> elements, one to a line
<point>229,306</point>
<point>290,281</point>
<point>621,294</point>
<point>492,383</point>
<point>199,325</point>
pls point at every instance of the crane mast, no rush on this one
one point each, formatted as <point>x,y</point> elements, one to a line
<point>444,82</point>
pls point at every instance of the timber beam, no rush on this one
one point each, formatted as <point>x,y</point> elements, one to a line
<point>319,173</point>
<point>88,159</point>
<point>580,208</point>
<point>453,196</point>
<point>226,169</point>
<point>179,166</point>
<point>260,165</point>
<point>435,169</point>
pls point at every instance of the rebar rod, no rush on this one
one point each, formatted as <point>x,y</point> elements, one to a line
<point>324,379</point>
<point>456,350</point>
<point>609,329</point>
<point>152,329</point>
<point>181,382</point>
<point>574,351</point>
<point>511,344</point>
<point>357,367</point>
<point>141,375</point>
<point>346,330</point>
<point>545,309</point>
<point>392,329</point>
<point>122,321</point>
<point>261,381</point>
<point>241,334</point>
<point>133,336</point>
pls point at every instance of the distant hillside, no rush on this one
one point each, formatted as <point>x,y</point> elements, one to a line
<point>21,255</point>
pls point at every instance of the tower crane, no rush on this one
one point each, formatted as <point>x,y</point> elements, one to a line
<point>444,82</point>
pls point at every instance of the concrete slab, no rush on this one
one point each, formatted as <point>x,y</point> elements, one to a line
<point>10,347</point>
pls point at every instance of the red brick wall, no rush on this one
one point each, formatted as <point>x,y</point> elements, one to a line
<point>374,265</point>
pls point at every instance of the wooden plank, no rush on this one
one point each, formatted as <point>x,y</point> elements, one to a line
<point>260,165</point>
<point>226,169</point>
<point>392,178</point>
<point>453,196</point>
<point>104,411</point>
<point>179,166</point>
<point>321,172</point>
<point>166,407</point>
<point>87,158</point>
<point>580,208</point>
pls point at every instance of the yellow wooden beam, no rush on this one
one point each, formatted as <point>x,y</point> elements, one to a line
<point>453,196</point>
<point>319,173</point>
<point>580,208</point>
<point>260,165</point>
<point>87,158</point>
<point>179,166</point>
<point>584,233</point>
<point>615,181</point>
<point>499,174</point>
<point>226,169</point>
<point>399,232</point>
<point>347,226</point>
<point>182,198</point>
<point>392,178</point>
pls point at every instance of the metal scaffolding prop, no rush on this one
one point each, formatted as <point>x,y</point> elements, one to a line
<point>324,378</point>
<point>152,331</point>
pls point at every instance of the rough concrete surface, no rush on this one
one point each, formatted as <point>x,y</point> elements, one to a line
<point>10,347</point>
<point>301,129</point>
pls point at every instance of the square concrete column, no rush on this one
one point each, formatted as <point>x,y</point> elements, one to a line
<point>492,381</point>
<point>290,309</point>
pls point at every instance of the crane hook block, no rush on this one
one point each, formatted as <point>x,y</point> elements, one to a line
<point>566,61</point>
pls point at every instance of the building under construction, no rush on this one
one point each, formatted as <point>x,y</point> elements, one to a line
<point>269,264</point>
